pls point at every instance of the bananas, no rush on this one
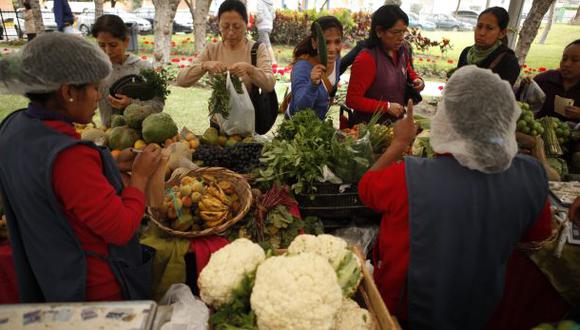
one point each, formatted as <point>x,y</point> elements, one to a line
<point>212,201</point>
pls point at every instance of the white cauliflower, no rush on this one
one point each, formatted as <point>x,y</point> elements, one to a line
<point>351,317</point>
<point>331,247</point>
<point>296,292</point>
<point>226,269</point>
<point>347,265</point>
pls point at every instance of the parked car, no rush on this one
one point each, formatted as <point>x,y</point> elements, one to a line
<point>467,16</point>
<point>448,22</point>
<point>183,21</point>
<point>419,23</point>
<point>86,20</point>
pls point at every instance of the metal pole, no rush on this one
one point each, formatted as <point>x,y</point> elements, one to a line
<point>3,25</point>
<point>515,12</point>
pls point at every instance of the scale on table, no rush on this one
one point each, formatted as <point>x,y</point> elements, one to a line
<point>121,315</point>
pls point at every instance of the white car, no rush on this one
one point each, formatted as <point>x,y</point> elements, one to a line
<point>183,21</point>
<point>86,20</point>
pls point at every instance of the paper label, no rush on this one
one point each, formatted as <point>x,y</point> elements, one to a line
<point>560,104</point>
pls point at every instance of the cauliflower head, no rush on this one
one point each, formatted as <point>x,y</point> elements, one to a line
<point>331,247</point>
<point>351,317</point>
<point>295,292</point>
<point>226,269</point>
<point>347,265</point>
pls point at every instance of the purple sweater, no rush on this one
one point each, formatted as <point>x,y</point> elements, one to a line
<point>551,83</point>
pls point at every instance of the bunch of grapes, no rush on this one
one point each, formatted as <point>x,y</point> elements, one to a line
<point>241,157</point>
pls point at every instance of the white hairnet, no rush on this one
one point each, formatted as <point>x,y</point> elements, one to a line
<point>51,60</point>
<point>476,120</point>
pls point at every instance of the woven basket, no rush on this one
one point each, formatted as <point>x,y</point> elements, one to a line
<point>241,186</point>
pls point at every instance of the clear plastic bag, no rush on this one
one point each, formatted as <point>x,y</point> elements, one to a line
<point>189,312</point>
<point>361,236</point>
<point>531,93</point>
<point>242,118</point>
<point>351,163</point>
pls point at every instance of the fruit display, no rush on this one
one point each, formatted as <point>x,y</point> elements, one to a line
<point>240,157</point>
<point>562,325</point>
<point>134,115</point>
<point>158,127</point>
<point>122,137</point>
<point>201,202</point>
<point>526,123</point>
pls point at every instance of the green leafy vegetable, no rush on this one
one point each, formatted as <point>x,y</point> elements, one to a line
<point>158,80</point>
<point>238,314</point>
<point>219,102</point>
<point>321,44</point>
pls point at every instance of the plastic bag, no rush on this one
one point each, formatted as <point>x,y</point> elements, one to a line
<point>531,93</point>
<point>351,163</point>
<point>242,118</point>
<point>361,236</point>
<point>189,312</point>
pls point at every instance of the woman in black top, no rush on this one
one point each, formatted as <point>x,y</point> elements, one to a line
<point>490,49</point>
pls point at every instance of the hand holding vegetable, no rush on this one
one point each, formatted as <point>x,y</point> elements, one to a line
<point>405,129</point>
<point>317,73</point>
<point>145,165</point>
<point>214,67</point>
<point>241,69</point>
<point>125,160</point>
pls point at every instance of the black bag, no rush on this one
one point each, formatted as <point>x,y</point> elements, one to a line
<point>133,86</point>
<point>411,93</point>
<point>265,103</point>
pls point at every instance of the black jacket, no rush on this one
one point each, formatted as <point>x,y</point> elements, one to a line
<point>508,68</point>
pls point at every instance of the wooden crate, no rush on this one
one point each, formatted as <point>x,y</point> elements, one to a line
<point>372,300</point>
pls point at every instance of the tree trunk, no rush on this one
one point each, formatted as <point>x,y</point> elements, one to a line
<point>487,3</point>
<point>37,16</point>
<point>189,4</point>
<point>530,28</point>
<point>393,2</point>
<point>458,5</point>
<point>551,19</point>
<point>200,23</point>
<point>99,8</point>
<point>576,19</point>
<point>164,15</point>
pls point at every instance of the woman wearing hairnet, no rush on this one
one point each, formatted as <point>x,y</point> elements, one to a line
<point>72,222</point>
<point>450,223</point>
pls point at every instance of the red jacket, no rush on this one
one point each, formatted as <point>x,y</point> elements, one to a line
<point>97,215</point>
<point>362,77</point>
<point>386,191</point>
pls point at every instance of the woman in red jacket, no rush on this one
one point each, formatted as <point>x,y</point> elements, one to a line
<point>381,72</point>
<point>73,224</point>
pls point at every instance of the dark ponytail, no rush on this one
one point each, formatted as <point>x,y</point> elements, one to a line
<point>305,46</point>
<point>503,19</point>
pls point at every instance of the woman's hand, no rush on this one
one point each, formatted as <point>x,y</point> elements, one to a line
<point>119,101</point>
<point>241,69</point>
<point>418,84</point>
<point>405,129</point>
<point>317,73</point>
<point>214,67</point>
<point>572,112</point>
<point>125,160</point>
<point>144,166</point>
<point>395,109</point>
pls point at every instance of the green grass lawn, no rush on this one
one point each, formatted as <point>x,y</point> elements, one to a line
<point>188,106</point>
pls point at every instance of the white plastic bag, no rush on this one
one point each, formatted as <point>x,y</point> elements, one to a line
<point>189,312</point>
<point>242,118</point>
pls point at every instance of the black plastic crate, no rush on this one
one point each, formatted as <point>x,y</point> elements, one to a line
<point>329,203</point>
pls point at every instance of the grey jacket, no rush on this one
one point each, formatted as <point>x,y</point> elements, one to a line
<point>133,65</point>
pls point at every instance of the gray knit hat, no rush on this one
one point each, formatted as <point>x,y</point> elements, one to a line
<point>50,61</point>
